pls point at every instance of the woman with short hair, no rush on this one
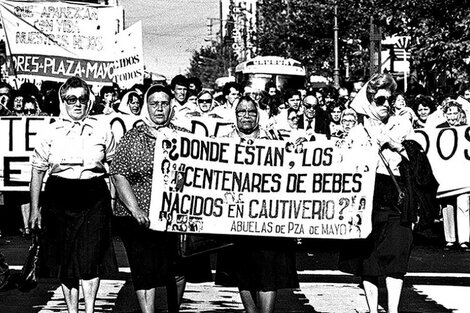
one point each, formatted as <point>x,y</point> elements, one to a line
<point>75,213</point>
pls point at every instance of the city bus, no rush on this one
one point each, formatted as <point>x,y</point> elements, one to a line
<point>285,73</point>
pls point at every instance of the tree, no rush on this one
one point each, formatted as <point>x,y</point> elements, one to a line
<point>210,62</point>
<point>303,30</point>
<point>439,29</point>
<point>440,33</point>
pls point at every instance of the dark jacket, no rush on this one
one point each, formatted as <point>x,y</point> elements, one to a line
<point>421,187</point>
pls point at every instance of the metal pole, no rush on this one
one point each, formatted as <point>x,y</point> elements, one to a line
<point>335,30</point>
<point>405,78</point>
<point>221,23</point>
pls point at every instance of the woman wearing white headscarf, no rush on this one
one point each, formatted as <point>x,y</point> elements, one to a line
<point>131,103</point>
<point>262,265</point>
<point>386,251</point>
<point>76,205</point>
<point>151,254</point>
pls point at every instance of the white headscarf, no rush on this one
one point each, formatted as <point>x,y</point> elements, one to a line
<point>124,105</point>
<point>362,105</point>
<point>256,130</point>
<point>144,112</point>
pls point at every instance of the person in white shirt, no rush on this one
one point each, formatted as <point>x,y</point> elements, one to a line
<point>75,209</point>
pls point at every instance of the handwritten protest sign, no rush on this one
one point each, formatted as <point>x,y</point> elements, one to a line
<point>261,187</point>
<point>448,151</point>
<point>59,39</point>
<point>129,65</point>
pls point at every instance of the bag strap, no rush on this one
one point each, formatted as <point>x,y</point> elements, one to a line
<point>387,166</point>
<point>401,194</point>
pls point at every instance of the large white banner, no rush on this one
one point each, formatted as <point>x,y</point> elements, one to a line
<point>56,40</point>
<point>261,187</point>
<point>448,151</point>
<point>19,136</point>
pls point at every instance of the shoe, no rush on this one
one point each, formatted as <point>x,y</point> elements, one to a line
<point>449,246</point>
<point>465,247</point>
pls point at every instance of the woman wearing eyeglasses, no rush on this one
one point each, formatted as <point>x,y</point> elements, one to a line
<point>204,104</point>
<point>262,265</point>
<point>75,209</point>
<point>151,254</point>
<point>385,252</point>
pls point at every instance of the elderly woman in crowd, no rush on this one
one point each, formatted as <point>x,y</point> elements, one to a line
<point>151,254</point>
<point>131,103</point>
<point>76,211</point>
<point>262,265</point>
<point>386,251</point>
<point>455,209</point>
<point>348,121</point>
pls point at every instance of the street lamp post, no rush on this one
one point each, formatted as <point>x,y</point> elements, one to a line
<point>335,30</point>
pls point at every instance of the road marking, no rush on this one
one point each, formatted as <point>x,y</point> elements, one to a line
<point>325,273</point>
<point>454,298</point>
<point>323,297</point>
<point>105,300</point>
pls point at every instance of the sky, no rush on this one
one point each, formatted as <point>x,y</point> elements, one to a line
<point>171,30</point>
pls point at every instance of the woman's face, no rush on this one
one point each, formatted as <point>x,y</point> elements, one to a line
<point>205,102</point>
<point>76,102</point>
<point>423,112</point>
<point>134,105</point>
<point>336,114</point>
<point>348,122</point>
<point>159,107</point>
<point>247,116</point>
<point>399,102</point>
<point>293,120</point>
<point>380,104</point>
<point>453,116</point>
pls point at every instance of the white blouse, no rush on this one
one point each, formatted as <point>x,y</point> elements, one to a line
<point>74,150</point>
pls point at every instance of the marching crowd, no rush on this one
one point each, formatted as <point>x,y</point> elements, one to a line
<point>78,152</point>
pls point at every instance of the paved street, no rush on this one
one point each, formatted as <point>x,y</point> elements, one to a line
<point>438,282</point>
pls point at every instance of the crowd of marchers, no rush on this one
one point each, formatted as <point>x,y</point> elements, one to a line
<point>78,152</point>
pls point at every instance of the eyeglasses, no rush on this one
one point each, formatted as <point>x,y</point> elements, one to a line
<point>204,100</point>
<point>30,111</point>
<point>309,106</point>
<point>72,100</point>
<point>160,105</point>
<point>251,113</point>
<point>293,119</point>
<point>379,101</point>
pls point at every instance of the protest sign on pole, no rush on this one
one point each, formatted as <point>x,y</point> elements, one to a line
<point>129,63</point>
<point>56,40</point>
<point>261,187</point>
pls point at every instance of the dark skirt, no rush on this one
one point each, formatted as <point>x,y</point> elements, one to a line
<point>76,240</point>
<point>265,264</point>
<point>386,251</point>
<point>151,254</point>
